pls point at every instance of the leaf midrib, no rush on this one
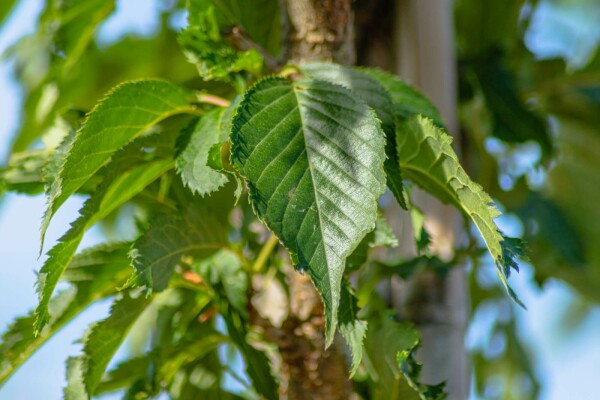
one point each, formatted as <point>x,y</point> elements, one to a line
<point>331,329</point>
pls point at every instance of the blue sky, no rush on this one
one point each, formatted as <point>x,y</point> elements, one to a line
<point>567,365</point>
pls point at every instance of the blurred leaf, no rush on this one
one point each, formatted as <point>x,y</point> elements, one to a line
<point>5,9</point>
<point>411,370</point>
<point>421,236</point>
<point>513,121</point>
<point>95,73</point>
<point>157,252</point>
<point>385,339</point>
<point>75,389</point>
<point>482,26</point>
<point>125,373</point>
<point>105,337</point>
<point>406,269</point>
<point>545,221</point>
<point>226,271</point>
<point>72,24</point>
<point>95,273</point>
<point>177,342</point>
<point>382,236</point>
<point>257,363</point>
<point>574,184</point>
<point>23,174</point>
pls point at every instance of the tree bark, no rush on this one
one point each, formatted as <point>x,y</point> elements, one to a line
<point>439,306</point>
<point>321,30</point>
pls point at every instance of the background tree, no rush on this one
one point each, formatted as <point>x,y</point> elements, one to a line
<point>174,157</point>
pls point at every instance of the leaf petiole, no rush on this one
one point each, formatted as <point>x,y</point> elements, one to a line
<point>213,99</point>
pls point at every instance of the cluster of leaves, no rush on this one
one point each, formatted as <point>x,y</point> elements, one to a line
<point>315,145</point>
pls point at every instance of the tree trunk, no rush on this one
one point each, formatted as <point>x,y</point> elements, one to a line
<point>439,306</point>
<point>320,30</point>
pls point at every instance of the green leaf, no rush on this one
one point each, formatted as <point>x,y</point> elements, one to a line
<point>406,101</point>
<point>72,25</point>
<point>51,170</point>
<point>214,57</point>
<point>105,337</point>
<point>112,193</point>
<point>23,174</point>
<point>352,328</point>
<point>513,121</point>
<point>125,373</point>
<point>257,363</point>
<point>5,9</point>
<point>381,236</point>
<point>385,340</point>
<point>260,19</point>
<point>191,163</point>
<point>411,370</point>
<point>420,234</point>
<point>225,270</point>
<point>218,154</point>
<point>369,90</point>
<point>312,155</point>
<point>75,389</point>
<point>126,112</point>
<point>177,342</point>
<point>171,236</point>
<point>94,273</point>
<point>427,158</point>
<point>363,85</point>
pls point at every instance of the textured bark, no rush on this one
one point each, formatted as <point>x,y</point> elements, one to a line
<point>308,371</point>
<point>321,30</point>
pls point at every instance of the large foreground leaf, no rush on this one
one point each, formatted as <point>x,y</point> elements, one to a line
<point>427,158</point>
<point>406,101</point>
<point>126,112</point>
<point>312,155</point>
<point>376,96</point>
